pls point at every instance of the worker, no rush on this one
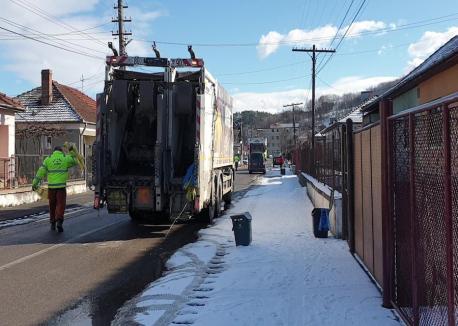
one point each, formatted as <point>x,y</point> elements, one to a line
<point>56,168</point>
<point>236,161</point>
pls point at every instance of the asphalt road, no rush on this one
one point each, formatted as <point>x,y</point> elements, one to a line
<point>85,274</point>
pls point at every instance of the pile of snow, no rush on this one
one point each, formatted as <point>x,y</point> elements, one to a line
<point>285,277</point>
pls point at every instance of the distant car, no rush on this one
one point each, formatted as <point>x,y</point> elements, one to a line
<point>278,160</point>
<point>245,161</point>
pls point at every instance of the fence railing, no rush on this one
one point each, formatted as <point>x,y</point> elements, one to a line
<point>424,213</point>
<point>19,170</point>
<point>327,167</point>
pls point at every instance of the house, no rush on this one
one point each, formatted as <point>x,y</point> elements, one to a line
<point>8,108</point>
<point>54,113</point>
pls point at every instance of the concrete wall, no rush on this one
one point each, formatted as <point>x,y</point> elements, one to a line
<point>320,196</point>
<point>25,195</point>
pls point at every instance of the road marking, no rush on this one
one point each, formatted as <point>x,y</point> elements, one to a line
<point>38,253</point>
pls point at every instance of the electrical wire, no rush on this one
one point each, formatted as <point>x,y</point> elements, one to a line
<point>343,37</point>
<point>57,40</point>
<point>53,45</point>
<point>43,14</point>
<point>264,82</point>
<point>422,23</point>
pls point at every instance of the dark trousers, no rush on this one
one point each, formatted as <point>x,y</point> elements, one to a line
<point>57,200</point>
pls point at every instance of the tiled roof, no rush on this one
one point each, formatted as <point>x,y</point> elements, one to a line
<point>7,102</point>
<point>83,104</point>
<point>68,105</point>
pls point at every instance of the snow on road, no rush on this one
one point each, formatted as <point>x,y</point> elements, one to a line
<point>285,277</point>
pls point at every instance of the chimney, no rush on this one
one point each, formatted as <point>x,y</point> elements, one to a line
<point>46,86</point>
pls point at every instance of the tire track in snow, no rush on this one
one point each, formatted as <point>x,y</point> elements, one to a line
<point>182,309</point>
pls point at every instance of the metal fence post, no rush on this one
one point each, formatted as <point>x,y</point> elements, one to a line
<point>448,212</point>
<point>412,218</point>
<point>350,186</point>
<point>385,136</point>
<point>333,170</point>
<point>343,183</point>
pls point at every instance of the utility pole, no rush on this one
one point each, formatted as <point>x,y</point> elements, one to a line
<point>314,51</point>
<point>293,105</point>
<point>82,83</point>
<point>121,33</point>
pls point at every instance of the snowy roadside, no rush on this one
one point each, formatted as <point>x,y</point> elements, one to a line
<point>286,276</point>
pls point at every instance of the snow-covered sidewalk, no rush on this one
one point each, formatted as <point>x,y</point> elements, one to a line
<point>285,277</point>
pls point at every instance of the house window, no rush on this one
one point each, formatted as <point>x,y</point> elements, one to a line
<point>48,142</point>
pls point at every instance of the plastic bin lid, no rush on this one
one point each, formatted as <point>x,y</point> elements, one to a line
<point>242,215</point>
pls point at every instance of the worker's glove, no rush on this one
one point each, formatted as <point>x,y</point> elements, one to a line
<point>35,185</point>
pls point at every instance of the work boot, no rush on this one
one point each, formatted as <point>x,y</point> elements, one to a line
<point>53,226</point>
<point>59,226</point>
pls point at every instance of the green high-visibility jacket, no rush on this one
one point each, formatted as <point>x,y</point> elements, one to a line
<point>56,167</point>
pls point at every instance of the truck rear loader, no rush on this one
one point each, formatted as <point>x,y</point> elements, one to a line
<point>164,140</point>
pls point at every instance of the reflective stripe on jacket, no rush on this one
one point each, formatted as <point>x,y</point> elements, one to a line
<point>56,167</point>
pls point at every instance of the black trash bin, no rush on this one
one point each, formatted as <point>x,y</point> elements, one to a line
<point>318,214</point>
<point>241,225</point>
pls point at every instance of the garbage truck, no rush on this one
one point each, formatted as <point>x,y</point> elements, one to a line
<point>257,155</point>
<point>164,140</point>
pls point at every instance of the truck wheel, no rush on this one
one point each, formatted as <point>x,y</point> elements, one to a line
<point>227,198</point>
<point>208,214</point>
<point>219,199</point>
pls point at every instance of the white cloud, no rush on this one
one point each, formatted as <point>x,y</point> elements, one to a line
<point>321,36</point>
<point>268,44</point>
<point>273,102</point>
<point>427,44</point>
<point>25,58</point>
<point>365,26</point>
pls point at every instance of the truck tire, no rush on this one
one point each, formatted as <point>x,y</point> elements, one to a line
<point>219,199</point>
<point>227,198</point>
<point>208,214</point>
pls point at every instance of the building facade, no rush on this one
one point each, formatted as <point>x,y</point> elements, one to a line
<point>280,138</point>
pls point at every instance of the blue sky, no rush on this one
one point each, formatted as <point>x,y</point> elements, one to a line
<point>234,37</point>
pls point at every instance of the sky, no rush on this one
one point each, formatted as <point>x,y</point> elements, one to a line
<point>246,44</point>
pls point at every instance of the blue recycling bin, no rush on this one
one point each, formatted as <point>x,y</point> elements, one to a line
<point>241,225</point>
<point>320,222</point>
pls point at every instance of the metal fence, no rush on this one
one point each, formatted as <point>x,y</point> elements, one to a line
<point>328,164</point>
<point>423,183</point>
<point>19,170</point>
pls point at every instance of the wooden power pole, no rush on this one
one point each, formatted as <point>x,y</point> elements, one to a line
<point>293,105</point>
<point>314,51</point>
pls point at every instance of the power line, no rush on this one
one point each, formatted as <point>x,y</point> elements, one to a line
<point>50,44</point>
<point>338,29</point>
<point>50,38</point>
<point>343,37</point>
<point>265,82</point>
<point>43,14</point>
<point>389,29</point>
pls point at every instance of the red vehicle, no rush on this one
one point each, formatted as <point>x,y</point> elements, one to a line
<point>278,160</point>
